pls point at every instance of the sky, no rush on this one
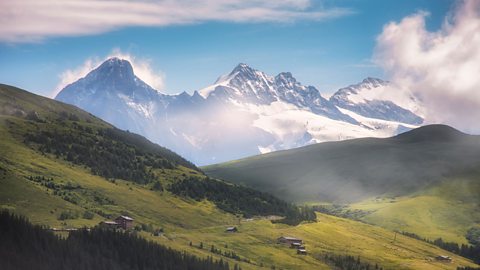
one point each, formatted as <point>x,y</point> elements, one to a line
<point>430,48</point>
<point>186,45</point>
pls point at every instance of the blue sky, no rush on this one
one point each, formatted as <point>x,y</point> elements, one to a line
<point>328,53</point>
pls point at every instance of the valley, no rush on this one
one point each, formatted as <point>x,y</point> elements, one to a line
<point>183,220</point>
<point>425,181</point>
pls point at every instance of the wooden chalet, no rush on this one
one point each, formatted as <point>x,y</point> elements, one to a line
<point>124,222</point>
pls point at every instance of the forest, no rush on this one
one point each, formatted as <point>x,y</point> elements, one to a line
<point>108,152</point>
<point>27,246</point>
<point>242,200</point>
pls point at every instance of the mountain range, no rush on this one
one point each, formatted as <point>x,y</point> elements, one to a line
<point>245,111</point>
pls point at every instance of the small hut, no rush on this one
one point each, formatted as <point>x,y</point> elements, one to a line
<point>443,258</point>
<point>231,229</point>
<point>302,251</point>
<point>289,240</point>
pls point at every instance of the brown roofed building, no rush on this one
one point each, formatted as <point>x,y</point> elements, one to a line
<point>124,222</point>
<point>289,240</point>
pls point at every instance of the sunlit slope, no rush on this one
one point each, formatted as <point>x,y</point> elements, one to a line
<point>183,220</point>
<point>446,210</point>
<point>353,170</point>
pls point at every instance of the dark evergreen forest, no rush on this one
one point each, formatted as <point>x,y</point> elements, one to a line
<point>242,200</point>
<point>27,246</point>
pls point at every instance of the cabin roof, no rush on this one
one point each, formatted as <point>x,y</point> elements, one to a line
<point>290,238</point>
<point>126,218</point>
<point>110,222</point>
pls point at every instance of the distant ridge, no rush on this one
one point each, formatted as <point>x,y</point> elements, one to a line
<point>432,133</point>
<point>353,170</point>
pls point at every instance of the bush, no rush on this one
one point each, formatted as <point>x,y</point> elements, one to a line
<point>88,215</point>
<point>64,215</point>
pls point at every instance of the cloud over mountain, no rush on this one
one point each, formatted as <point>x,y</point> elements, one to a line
<point>441,68</point>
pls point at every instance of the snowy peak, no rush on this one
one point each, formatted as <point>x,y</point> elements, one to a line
<point>375,98</point>
<point>365,84</point>
<point>243,68</point>
<point>114,73</point>
<point>113,92</point>
<point>243,84</point>
<point>285,79</point>
<point>375,82</point>
<point>114,76</point>
<point>115,68</point>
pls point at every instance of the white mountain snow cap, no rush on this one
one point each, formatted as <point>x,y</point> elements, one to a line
<point>241,69</point>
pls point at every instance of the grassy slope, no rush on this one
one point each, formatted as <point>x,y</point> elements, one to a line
<point>447,210</point>
<point>186,220</point>
<point>428,171</point>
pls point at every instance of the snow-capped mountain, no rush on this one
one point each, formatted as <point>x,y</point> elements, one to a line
<point>113,92</point>
<point>374,98</point>
<point>247,85</point>
<point>245,112</point>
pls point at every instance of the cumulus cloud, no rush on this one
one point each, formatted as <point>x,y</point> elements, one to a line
<point>441,68</point>
<point>141,67</point>
<point>33,20</point>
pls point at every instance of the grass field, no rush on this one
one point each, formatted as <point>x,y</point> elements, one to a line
<point>447,210</point>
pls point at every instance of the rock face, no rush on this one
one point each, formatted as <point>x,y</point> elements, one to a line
<point>245,112</point>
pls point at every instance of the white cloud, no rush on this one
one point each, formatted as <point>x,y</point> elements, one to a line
<point>33,20</point>
<point>442,68</point>
<point>141,68</point>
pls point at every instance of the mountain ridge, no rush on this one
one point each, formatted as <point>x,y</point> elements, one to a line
<point>270,112</point>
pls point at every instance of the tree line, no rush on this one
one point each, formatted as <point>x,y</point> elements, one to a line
<point>27,246</point>
<point>108,152</point>
<point>471,252</point>
<point>242,200</point>
<point>348,262</point>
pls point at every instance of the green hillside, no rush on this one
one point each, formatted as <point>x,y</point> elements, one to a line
<point>352,170</point>
<point>425,181</point>
<point>447,210</point>
<point>57,184</point>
